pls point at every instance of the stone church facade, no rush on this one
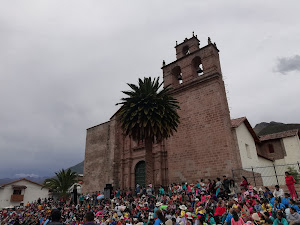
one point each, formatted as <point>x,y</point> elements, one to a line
<point>204,145</point>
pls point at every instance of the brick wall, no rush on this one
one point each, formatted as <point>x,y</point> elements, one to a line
<point>204,146</point>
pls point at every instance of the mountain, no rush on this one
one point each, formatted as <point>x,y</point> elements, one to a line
<point>78,168</point>
<point>264,128</point>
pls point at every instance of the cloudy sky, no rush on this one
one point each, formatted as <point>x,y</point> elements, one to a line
<point>63,65</point>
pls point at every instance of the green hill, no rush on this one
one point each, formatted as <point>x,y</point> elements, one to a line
<point>274,127</point>
<point>78,168</point>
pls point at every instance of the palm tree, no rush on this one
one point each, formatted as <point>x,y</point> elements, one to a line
<point>149,114</point>
<point>61,184</point>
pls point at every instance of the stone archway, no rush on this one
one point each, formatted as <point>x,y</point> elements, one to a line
<point>140,173</point>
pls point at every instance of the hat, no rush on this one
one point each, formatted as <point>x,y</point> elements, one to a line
<point>158,204</point>
<point>188,215</point>
<point>255,216</point>
<point>150,185</point>
<point>122,208</point>
<point>183,207</point>
<point>196,199</point>
<point>181,223</point>
<point>235,199</point>
<point>168,222</point>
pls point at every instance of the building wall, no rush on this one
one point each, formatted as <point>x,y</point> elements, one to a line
<point>292,148</point>
<point>99,158</point>
<point>279,150</point>
<point>132,153</point>
<point>31,193</point>
<point>203,146</point>
<point>247,147</point>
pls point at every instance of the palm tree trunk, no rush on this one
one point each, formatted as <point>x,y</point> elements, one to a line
<point>149,162</point>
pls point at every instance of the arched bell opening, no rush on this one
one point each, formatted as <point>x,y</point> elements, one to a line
<point>176,71</point>
<point>197,65</point>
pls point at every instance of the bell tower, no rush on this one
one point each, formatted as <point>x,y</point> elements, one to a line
<point>192,62</point>
<point>204,144</point>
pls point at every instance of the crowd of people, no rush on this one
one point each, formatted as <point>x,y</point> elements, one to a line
<point>199,203</point>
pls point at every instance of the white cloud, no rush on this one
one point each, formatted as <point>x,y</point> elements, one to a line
<point>22,175</point>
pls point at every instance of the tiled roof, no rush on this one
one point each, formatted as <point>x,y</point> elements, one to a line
<point>3,185</point>
<point>288,133</point>
<point>237,122</point>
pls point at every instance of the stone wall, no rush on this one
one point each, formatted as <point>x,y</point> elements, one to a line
<point>98,162</point>
<point>204,145</point>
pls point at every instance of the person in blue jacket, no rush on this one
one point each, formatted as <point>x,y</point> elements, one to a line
<point>160,218</point>
<point>292,203</point>
<point>285,199</point>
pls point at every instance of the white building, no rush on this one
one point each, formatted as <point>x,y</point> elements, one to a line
<point>20,192</point>
<point>269,155</point>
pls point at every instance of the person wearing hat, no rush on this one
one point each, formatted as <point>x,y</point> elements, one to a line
<point>189,218</point>
<point>157,206</point>
<point>183,210</point>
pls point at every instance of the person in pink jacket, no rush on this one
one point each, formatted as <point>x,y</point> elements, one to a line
<point>290,181</point>
<point>236,220</point>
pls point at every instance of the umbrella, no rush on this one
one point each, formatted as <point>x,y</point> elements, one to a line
<point>163,207</point>
<point>100,197</point>
<point>99,213</point>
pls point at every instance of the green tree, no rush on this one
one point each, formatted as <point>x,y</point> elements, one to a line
<point>294,173</point>
<point>149,113</point>
<point>62,182</point>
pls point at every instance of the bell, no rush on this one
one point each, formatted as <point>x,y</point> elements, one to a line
<point>199,71</point>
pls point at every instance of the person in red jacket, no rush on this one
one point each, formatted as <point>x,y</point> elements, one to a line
<point>244,183</point>
<point>290,181</point>
<point>220,210</point>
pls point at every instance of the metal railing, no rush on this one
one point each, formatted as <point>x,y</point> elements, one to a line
<point>267,175</point>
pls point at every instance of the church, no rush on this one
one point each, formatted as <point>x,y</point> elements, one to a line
<point>208,144</point>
